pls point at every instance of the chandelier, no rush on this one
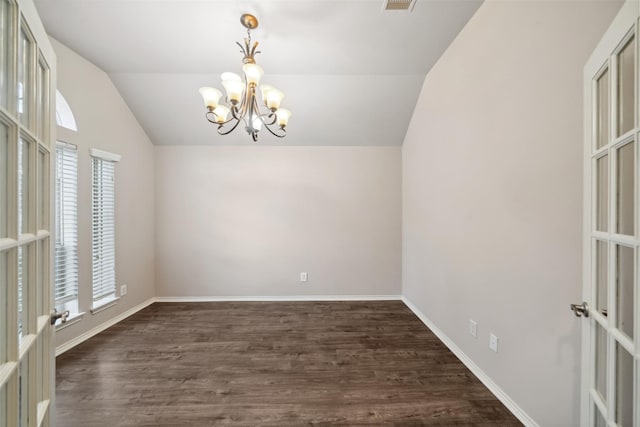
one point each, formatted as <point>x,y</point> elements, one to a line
<point>241,103</point>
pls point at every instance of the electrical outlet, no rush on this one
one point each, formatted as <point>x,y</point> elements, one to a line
<point>473,328</point>
<point>493,342</point>
<point>123,290</point>
<point>304,276</point>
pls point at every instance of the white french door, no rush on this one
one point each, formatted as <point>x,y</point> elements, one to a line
<point>611,327</point>
<point>27,80</point>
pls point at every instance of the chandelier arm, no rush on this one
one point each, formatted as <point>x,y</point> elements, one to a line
<point>242,49</point>
<point>230,130</point>
<point>271,115</point>
<point>251,111</point>
<point>214,121</point>
<point>208,119</point>
<point>239,112</point>
<point>261,115</point>
<point>234,110</point>
<point>284,131</point>
<point>254,102</point>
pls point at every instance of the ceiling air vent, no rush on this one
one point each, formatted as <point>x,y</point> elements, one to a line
<point>399,4</point>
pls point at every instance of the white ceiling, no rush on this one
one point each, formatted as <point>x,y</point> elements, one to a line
<point>351,72</point>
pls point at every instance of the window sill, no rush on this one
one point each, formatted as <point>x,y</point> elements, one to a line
<point>72,319</point>
<point>104,304</point>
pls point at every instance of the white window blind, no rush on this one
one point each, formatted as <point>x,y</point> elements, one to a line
<point>103,228</point>
<point>66,222</point>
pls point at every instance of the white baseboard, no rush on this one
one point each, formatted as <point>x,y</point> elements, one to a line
<point>484,378</point>
<point>95,331</point>
<point>281,298</point>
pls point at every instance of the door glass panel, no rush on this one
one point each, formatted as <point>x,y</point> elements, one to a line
<point>602,271</point>
<point>24,152</point>
<point>602,110</point>
<point>624,290</point>
<point>4,178</point>
<point>43,94</point>
<point>43,289</point>
<point>624,387</point>
<point>23,413</point>
<point>43,278</point>
<point>626,87</point>
<point>23,297</point>
<point>602,193</point>
<point>601,362</point>
<point>3,303</point>
<point>599,419</point>
<point>39,371</point>
<point>23,88</point>
<point>4,51</point>
<point>43,190</point>
<point>625,190</point>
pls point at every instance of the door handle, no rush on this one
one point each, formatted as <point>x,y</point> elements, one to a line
<point>580,310</point>
<point>56,315</point>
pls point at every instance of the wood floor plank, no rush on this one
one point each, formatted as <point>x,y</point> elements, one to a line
<point>270,364</point>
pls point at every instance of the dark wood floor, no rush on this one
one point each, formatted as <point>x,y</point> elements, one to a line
<point>271,364</point>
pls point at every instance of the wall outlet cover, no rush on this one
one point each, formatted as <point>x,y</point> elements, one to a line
<point>473,328</point>
<point>493,342</point>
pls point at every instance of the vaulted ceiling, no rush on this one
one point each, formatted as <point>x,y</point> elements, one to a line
<point>350,71</point>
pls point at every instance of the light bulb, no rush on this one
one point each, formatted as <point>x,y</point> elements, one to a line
<point>283,116</point>
<point>257,123</point>
<point>253,73</point>
<point>233,85</point>
<point>210,96</point>
<point>264,90</point>
<point>221,112</point>
<point>230,76</point>
<point>274,98</point>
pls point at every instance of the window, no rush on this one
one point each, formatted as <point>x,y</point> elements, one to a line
<point>103,227</point>
<point>64,115</point>
<point>66,219</point>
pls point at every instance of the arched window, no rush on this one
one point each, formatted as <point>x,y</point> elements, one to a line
<point>64,115</point>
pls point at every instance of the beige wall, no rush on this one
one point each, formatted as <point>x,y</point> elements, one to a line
<point>492,196</point>
<point>245,221</point>
<point>105,122</point>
